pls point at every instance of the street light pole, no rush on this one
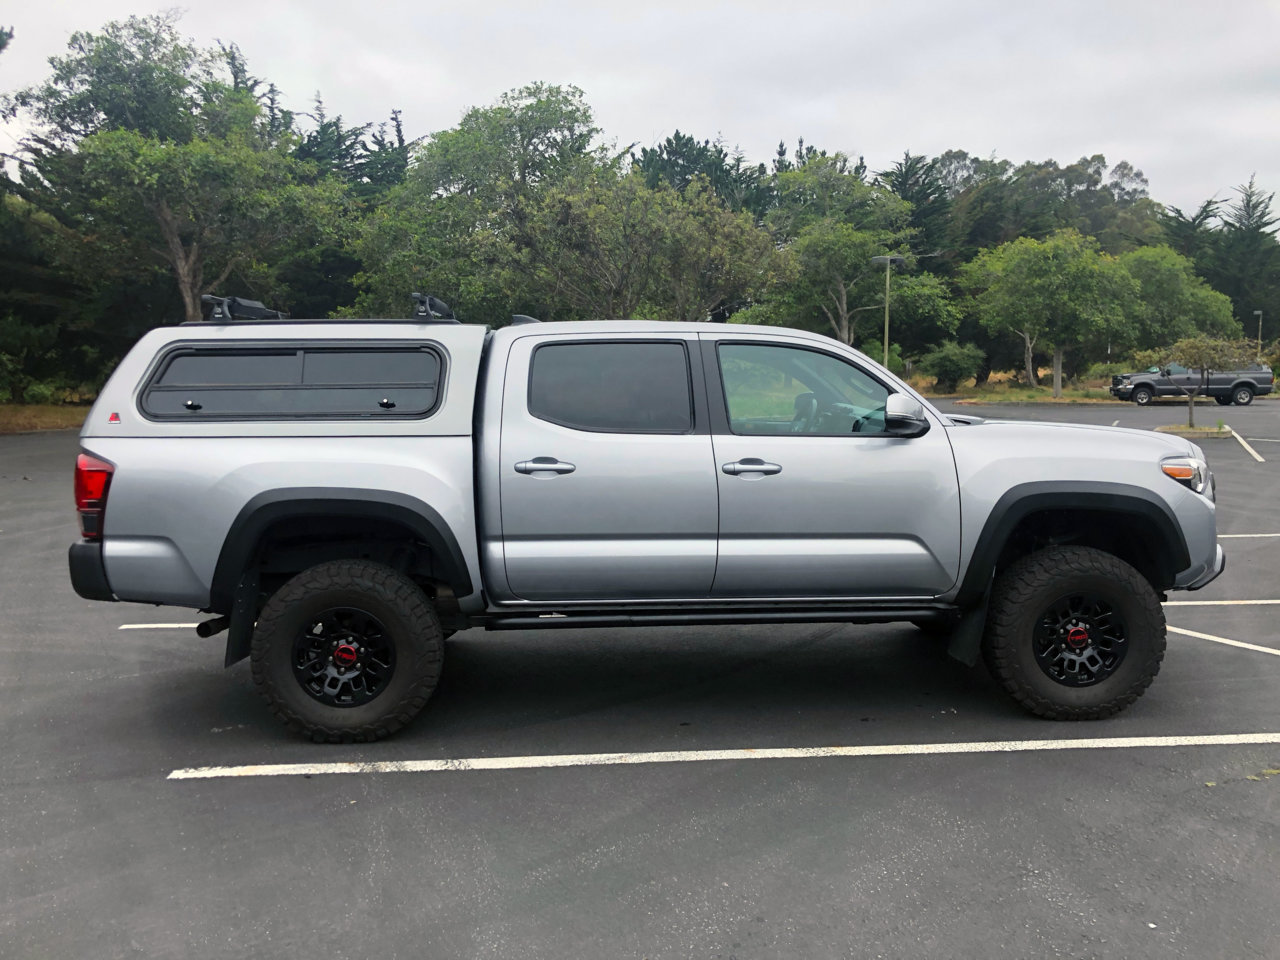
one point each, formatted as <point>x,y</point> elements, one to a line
<point>1258,314</point>
<point>888,263</point>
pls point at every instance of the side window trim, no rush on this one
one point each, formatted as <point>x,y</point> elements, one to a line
<point>694,375</point>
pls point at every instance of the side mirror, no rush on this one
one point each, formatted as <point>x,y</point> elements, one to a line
<point>904,417</point>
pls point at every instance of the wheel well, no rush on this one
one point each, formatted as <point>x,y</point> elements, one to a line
<point>1135,539</point>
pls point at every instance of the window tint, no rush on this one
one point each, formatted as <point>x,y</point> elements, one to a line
<point>781,390</point>
<point>279,383</point>
<point>615,387</point>
<point>231,369</point>
<point>369,367</point>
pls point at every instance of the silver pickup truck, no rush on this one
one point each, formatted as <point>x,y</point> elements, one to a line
<point>1227,387</point>
<point>341,496</point>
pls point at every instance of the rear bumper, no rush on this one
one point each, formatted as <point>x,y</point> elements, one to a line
<point>88,575</point>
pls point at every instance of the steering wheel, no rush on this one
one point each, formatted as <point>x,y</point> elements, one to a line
<point>806,412</point>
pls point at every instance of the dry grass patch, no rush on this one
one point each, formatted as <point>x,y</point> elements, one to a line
<point>21,417</point>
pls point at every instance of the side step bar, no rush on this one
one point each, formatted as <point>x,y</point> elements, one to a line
<point>676,618</point>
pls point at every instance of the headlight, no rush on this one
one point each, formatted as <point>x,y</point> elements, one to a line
<point>1191,472</point>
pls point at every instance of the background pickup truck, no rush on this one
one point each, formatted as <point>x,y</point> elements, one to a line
<point>342,496</point>
<point>1226,386</point>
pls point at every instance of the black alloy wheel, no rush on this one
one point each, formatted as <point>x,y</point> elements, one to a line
<point>347,650</point>
<point>343,657</point>
<point>1080,640</point>
<point>1073,633</point>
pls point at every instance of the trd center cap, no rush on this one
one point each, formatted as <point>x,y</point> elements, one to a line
<point>1077,638</point>
<point>345,655</point>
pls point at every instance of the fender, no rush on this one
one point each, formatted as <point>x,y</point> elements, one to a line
<point>300,502</point>
<point>1022,500</point>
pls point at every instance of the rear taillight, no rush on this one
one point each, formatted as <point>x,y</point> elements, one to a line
<point>93,477</point>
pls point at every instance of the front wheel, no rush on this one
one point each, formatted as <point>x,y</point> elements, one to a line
<point>1142,396</point>
<point>1074,633</point>
<point>1242,396</point>
<point>1223,401</point>
<point>347,650</point>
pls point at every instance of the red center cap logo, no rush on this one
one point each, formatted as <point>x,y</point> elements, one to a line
<point>345,655</point>
<point>1077,637</point>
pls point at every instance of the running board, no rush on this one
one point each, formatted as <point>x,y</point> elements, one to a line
<point>676,618</point>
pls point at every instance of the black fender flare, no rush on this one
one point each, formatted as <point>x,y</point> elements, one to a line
<point>1024,499</point>
<point>267,508</point>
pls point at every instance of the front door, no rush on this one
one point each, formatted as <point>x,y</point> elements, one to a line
<point>606,480</point>
<point>816,500</point>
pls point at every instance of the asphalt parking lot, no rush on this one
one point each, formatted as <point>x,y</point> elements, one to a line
<point>1112,850</point>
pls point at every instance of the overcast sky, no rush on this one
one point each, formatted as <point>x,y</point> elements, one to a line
<point>1187,91</point>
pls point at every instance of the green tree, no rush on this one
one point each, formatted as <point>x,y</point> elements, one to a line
<point>1173,303</point>
<point>615,247</point>
<point>951,362</point>
<point>1063,291</point>
<point>916,179</point>
<point>206,209</point>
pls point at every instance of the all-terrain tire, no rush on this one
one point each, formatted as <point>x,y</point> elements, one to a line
<point>404,623</point>
<point>1142,396</point>
<point>1242,396</point>
<point>1021,604</point>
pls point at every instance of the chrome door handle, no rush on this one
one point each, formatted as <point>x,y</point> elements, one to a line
<point>544,465</point>
<point>750,465</point>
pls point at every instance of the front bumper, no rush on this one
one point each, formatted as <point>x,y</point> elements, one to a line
<point>1122,391</point>
<point>1212,572</point>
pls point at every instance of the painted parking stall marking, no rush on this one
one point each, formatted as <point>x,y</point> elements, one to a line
<point>697,756</point>
<point>1231,643</point>
<point>158,626</point>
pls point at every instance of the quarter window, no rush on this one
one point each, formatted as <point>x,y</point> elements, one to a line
<point>613,387</point>
<point>326,382</point>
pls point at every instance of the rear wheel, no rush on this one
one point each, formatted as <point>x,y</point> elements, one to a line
<point>347,650</point>
<point>1074,633</point>
<point>1242,396</point>
<point>1142,396</point>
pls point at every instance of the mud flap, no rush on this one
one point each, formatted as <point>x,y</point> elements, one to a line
<point>966,638</point>
<point>244,613</point>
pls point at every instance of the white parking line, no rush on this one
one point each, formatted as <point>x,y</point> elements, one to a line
<point>1242,536</point>
<point>694,756</point>
<point>1221,603</point>
<point>1244,443</point>
<point>1262,440</point>
<point>1230,643</point>
<point>1115,423</point>
<point>158,626</point>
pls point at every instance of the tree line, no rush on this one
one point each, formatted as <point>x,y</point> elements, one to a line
<point>157,171</point>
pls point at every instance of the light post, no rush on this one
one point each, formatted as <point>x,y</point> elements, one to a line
<point>1258,314</point>
<point>888,264</point>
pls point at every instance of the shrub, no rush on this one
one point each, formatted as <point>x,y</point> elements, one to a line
<point>950,362</point>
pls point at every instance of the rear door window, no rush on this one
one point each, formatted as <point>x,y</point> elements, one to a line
<point>613,386</point>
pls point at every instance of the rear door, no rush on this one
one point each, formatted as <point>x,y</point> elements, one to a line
<point>815,499</point>
<point>607,484</point>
